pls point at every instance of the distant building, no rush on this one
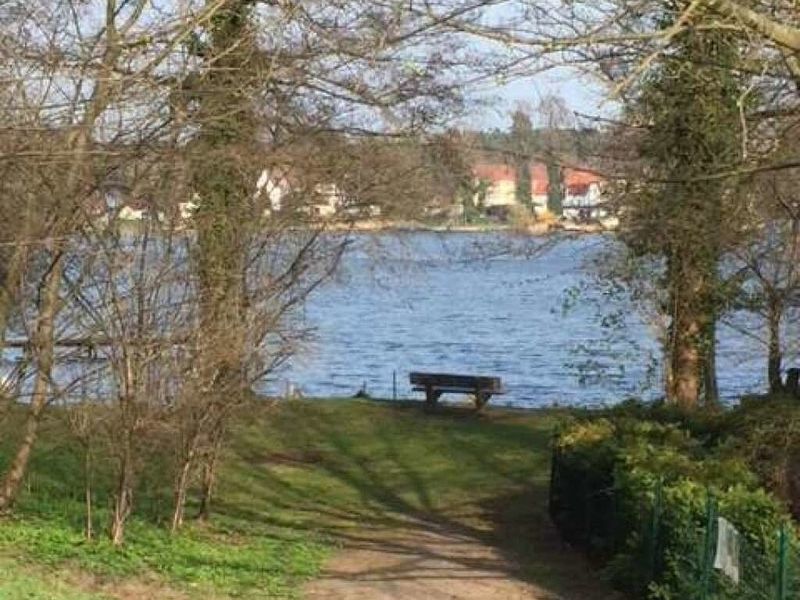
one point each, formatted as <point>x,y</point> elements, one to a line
<point>540,186</point>
<point>186,210</point>
<point>283,189</point>
<point>138,209</point>
<point>582,189</point>
<point>275,186</point>
<point>584,196</point>
<point>501,180</point>
<point>329,199</point>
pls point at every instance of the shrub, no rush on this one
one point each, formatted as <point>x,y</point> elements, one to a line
<point>642,497</point>
<point>766,433</point>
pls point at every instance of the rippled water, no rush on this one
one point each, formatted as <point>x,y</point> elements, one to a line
<point>423,301</point>
<point>485,304</point>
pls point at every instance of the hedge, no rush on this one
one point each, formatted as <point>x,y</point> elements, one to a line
<point>642,498</point>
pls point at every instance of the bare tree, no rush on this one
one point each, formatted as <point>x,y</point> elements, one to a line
<point>164,106</point>
<point>768,269</point>
<point>267,81</point>
<point>74,181</point>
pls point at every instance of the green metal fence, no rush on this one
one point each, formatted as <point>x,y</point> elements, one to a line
<point>650,553</point>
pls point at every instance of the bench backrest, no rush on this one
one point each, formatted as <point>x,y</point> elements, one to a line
<point>451,380</point>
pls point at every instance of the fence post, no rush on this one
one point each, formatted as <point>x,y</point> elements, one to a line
<point>783,583</point>
<point>588,516</point>
<point>708,548</point>
<point>555,465</point>
<point>394,385</point>
<point>655,524</point>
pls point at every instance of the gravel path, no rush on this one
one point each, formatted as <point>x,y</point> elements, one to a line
<point>429,562</point>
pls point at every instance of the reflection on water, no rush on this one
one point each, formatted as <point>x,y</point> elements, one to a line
<point>419,304</point>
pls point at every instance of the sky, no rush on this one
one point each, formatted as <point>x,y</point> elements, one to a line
<point>579,92</point>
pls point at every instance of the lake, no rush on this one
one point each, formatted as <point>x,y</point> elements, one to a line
<point>491,304</point>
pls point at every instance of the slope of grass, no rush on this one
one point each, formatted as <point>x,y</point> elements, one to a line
<point>20,583</point>
<point>296,481</point>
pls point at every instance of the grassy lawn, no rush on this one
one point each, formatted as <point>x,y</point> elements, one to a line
<point>297,481</point>
<point>21,583</point>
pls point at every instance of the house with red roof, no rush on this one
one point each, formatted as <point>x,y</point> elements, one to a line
<point>500,181</point>
<point>582,197</point>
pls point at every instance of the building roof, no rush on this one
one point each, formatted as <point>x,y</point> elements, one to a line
<point>494,172</point>
<point>577,181</point>
<point>581,177</point>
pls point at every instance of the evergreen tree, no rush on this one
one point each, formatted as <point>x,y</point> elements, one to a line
<point>688,105</point>
<point>555,188</point>
<point>522,141</point>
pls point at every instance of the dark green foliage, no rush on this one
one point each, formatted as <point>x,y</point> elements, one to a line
<point>523,143</point>
<point>582,143</point>
<point>643,496</point>
<point>763,431</point>
<point>688,109</point>
<point>766,433</point>
<point>555,188</point>
<point>707,425</point>
<point>689,105</point>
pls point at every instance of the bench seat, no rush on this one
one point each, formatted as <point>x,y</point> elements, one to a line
<point>436,384</point>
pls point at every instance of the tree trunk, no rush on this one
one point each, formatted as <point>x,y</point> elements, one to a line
<point>43,344</point>
<point>686,358</point>
<point>9,273</point>
<point>87,467</point>
<point>710,382</point>
<point>179,494</point>
<point>210,475</point>
<point>686,288</point>
<point>774,352</point>
<point>123,498</point>
<point>49,292</point>
<point>181,486</point>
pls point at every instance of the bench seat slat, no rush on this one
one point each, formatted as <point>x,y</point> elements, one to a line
<point>461,389</point>
<point>454,380</point>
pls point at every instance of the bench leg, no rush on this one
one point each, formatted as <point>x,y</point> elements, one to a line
<point>481,398</point>
<point>793,382</point>
<point>431,396</point>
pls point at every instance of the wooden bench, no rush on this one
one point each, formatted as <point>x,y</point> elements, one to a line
<point>793,382</point>
<point>436,384</point>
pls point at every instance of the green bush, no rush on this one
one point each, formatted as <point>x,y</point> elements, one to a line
<point>642,497</point>
<point>766,433</point>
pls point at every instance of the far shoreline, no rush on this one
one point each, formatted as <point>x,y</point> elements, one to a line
<point>444,405</point>
<point>536,229</point>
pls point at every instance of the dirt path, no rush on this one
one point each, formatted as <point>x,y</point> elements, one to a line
<point>429,562</point>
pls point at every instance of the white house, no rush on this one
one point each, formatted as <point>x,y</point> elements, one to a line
<point>584,200</point>
<point>325,200</point>
<point>276,187</point>
<point>328,200</point>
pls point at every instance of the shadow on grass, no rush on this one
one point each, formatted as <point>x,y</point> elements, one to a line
<point>448,494</point>
<point>429,487</point>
